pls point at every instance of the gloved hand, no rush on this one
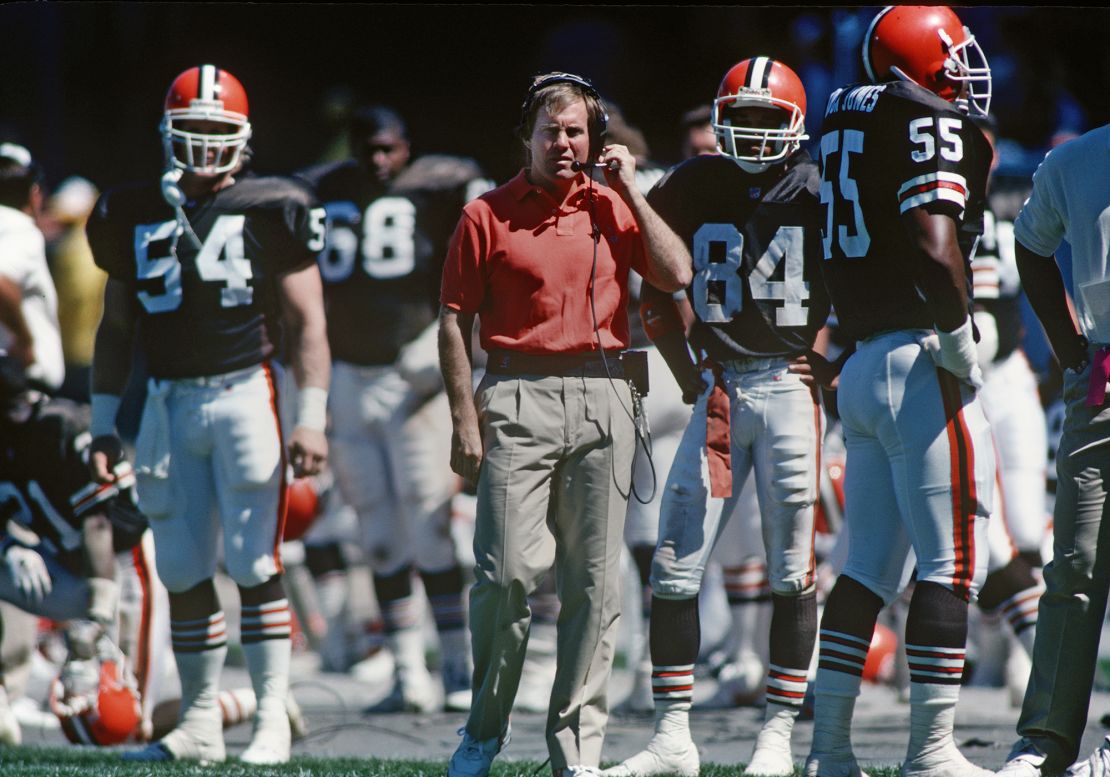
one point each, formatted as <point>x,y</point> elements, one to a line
<point>27,570</point>
<point>955,351</point>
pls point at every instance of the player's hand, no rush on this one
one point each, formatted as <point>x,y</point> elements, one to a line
<point>308,451</point>
<point>815,370</point>
<point>105,452</point>
<point>620,167</point>
<point>692,383</point>
<point>466,451</point>
<point>28,571</point>
<point>960,364</point>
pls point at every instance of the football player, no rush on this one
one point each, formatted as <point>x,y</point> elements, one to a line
<point>388,223</point>
<point>215,273</point>
<point>58,531</point>
<point>904,173</point>
<point>750,217</point>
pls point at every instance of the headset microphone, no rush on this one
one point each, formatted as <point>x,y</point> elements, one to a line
<point>577,166</point>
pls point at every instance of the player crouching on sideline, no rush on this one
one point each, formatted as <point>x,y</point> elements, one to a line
<point>60,531</point>
<point>208,269</point>
<point>741,214</point>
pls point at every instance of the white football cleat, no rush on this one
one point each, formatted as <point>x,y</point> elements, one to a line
<point>772,756</point>
<point>945,762</point>
<point>270,744</point>
<point>663,755</point>
<point>180,745</point>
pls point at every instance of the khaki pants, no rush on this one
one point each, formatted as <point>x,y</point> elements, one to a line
<point>553,487</point>
<point>1073,606</point>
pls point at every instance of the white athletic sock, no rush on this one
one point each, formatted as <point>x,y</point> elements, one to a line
<point>834,702</point>
<point>932,715</point>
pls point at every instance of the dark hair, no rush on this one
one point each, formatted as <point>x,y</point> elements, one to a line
<point>372,119</point>
<point>16,181</point>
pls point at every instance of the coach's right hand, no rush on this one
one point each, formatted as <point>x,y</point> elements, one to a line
<point>466,451</point>
<point>105,452</point>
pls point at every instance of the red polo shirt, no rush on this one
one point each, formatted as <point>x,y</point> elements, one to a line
<point>522,263</point>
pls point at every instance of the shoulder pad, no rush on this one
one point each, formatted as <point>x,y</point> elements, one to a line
<point>436,172</point>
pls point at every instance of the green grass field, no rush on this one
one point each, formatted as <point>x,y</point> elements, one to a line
<point>86,762</point>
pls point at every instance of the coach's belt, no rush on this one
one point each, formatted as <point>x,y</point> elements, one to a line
<point>215,380</point>
<point>562,365</point>
<point>755,364</point>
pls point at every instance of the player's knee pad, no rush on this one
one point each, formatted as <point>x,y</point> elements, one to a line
<point>249,571</point>
<point>674,578</point>
<point>177,574</point>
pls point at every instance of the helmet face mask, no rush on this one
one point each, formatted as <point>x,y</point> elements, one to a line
<point>205,126</point>
<point>929,46</point>
<point>759,114</point>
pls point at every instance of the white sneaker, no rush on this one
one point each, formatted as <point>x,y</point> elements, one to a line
<point>1097,765</point>
<point>473,758</point>
<point>1025,760</point>
<point>578,771</point>
<point>833,766</point>
<point>10,732</point>
<point>663,755</point>
<point>944,762</point>
<point>180,745</point>
<point>271,741</point>
<point>772,756</point>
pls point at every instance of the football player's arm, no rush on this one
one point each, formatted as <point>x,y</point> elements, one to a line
<point>669,264</point>
<point>943,278</point>
<point>302,295</point>
<point>455,361</point>
<point>666,325</point>
<point>1044,286</point>
<point>111,368</point>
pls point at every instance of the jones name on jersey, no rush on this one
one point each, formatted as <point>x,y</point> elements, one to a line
<point>757,290</point>
<point>216,309</point>
<point>383,257</point>
<point>45,486</point>
<point>885,149</point>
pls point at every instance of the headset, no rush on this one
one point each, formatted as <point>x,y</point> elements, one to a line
<point>598,123</point>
